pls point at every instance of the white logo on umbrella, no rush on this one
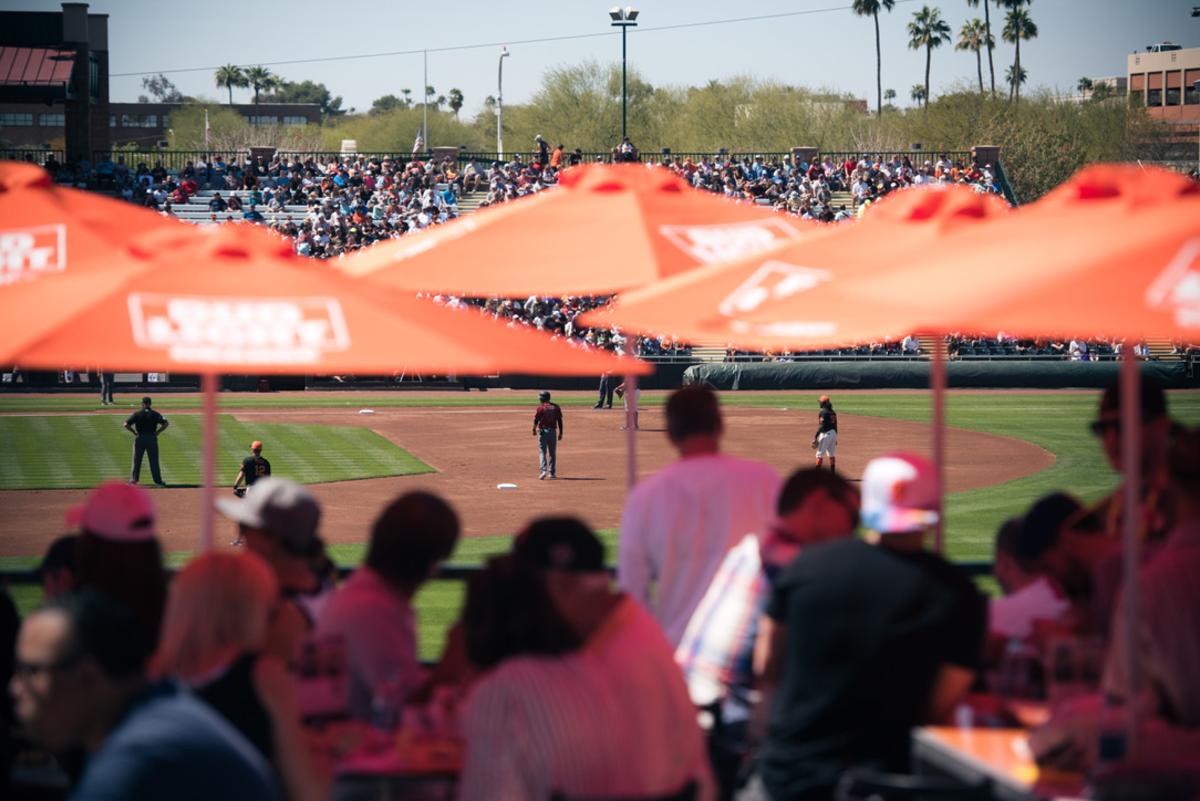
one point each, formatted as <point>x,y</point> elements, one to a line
<point>709,244</point>
<point>775,281</point>
<point>223,330</point>
<point>28,252</point>
<point>1178,286</point>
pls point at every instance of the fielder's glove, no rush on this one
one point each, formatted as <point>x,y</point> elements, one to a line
<point>241,491</point>
<point>813,444</point>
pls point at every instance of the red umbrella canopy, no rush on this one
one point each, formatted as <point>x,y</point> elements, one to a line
<point>1114,251</point>
<point>237,299</point>
<point>831,288</point>
<point>605,228</point>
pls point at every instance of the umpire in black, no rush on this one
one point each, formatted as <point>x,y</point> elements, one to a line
<point>146,425</point>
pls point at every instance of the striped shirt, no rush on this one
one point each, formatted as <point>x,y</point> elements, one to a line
<point>612,719</point>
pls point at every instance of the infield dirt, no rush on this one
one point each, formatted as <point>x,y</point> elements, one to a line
<point>474,449</point>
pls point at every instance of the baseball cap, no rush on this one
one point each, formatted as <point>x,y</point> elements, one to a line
<point>560,543</point>
<point>116,511</point>
<point>822,399</point>
<point>899,494</point>
<point>256,445</point>
<point>544,395</point>
<point>282,508</point>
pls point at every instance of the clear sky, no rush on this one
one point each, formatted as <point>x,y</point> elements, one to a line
<point>826,46</point>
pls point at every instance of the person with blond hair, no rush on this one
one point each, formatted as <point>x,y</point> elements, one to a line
<point>214,631</point>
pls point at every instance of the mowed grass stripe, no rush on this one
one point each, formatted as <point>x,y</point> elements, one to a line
<point>79,451</point>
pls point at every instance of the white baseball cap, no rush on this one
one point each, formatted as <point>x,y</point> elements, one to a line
<point>899,494</point>
<point>116,511</point>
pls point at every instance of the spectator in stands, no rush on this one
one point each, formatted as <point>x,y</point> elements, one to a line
<point>866,642</point>
<point>79,684</point>
<point>679,524</point>
<point>217,204</point>
<point>117,552</point>
<point>278,520</point>
<point>214,631</point>
<point>373,611</point>
<point>611,719</point>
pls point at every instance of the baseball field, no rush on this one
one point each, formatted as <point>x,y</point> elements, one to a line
<point>358,450</point>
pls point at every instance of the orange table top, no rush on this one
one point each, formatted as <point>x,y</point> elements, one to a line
<point>1001,755</point>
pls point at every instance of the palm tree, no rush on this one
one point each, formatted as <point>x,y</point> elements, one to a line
<point>889,95</point>
<point>974,36</point>
<point>1017,26</point>
<point>229,76</point>
<point>407,97</point>
<point>1085,85</point>
<point>456,101</point>
<point>917,93</point>
<point>991,40</point>
<point>927,30</point>
<point>1015,76</point>
<point>870,8</point>
<point>260,78</point>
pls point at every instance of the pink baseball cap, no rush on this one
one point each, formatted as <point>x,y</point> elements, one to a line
<point>899,494</point>
<point>116,511</point>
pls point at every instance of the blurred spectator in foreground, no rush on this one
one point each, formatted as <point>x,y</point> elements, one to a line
<point>718,649</point>
<point>611,719</point>
<point>57,570</point>
<point>278,520</point>
<point>118,553</point>
<point>1167,642</point>
<point>213,633</point>
<point>79,684</point>
<point>867,642</point>
<point>1030,594</point>
<point>1155,516</point>
<point>679,523</point>
<point>373,611</point>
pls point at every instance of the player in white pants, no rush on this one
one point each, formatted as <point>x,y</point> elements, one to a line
<point>825,440</point>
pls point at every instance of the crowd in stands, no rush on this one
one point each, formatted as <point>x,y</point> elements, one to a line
<point>774,656</point>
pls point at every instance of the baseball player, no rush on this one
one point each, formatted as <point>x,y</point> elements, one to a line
<point>546,419</point>
<point>253,468</point>
<point>625,405</point>
<point>825,440</point>
<point>146,425</point>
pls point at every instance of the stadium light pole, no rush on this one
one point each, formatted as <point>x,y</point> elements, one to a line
<point>500,104</point>
<point>624,18</point>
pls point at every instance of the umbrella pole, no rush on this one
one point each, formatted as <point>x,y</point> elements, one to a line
<point>208,384</point>
<point>937,383</point>
<point>631,410</point>
<point>1131,463</point>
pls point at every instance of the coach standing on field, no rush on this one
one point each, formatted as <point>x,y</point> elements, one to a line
<point>546,419</point>
<point>146,425</point>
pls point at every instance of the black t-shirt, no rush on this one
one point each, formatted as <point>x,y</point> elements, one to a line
<point>254,468</point>
<point>145,421</point>
<point>867,629</point>
<point>233,694</point>
<point>826,420</point>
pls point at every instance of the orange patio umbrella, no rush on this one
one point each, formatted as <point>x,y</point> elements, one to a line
<point>605,228</point>
<point>831,288</point>
<point>47,229</point>
<point>237,299</point>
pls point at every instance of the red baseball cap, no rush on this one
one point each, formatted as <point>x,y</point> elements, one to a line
<point>256,445</point>
<point>822,399</point>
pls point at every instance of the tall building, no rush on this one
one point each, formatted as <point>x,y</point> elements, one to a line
<point>1164,79</point>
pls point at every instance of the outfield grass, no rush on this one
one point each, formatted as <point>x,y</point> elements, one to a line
<point>79,451</point>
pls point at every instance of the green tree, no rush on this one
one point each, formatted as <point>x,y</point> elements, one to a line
<point>161,89</point>
<point>408,103</point>
<point>385,104</point>
<point>1017,26</point>
<point>870,8</point>
<point>928,30</point>
<point>307,92</point>
<point>261,79</point>
<point>230,76</point>
<point>973,36</point>
<point>1084,85</point>
<point>917,93</point>
<point>456,101</point>
<point>991,40</point>
<point>1015,76</point>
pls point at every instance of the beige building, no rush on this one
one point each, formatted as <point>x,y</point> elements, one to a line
<point>1164,79</point>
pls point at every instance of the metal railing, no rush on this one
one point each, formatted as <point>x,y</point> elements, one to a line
<point>38,156</point>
